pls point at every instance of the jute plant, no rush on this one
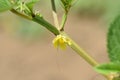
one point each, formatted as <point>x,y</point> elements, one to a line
<point>25,9</point>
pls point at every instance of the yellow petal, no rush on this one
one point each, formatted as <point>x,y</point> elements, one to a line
<point>61,41</point>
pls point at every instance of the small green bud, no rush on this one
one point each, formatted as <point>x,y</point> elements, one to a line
<point>67,4</point>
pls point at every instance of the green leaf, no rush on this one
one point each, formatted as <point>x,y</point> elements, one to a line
<point>5,5</point>
<point>113,41</point>
<point>108,68</point>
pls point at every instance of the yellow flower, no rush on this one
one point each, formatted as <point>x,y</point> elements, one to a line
<point>61,41</point>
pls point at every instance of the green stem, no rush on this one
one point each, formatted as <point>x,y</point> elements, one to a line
<point>53,6</point>
<point>20,14</point>
<point>84,54</point>
<point>81,52</point>
<point>64,19</point>
<point>47,25</point>
<point>39,20</point>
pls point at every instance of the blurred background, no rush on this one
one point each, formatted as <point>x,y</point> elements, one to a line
<point>27,52</point>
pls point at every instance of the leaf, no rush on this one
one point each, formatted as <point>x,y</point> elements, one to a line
<point>5,5</point>
<point>113,41</point>
<point>108,68</point>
